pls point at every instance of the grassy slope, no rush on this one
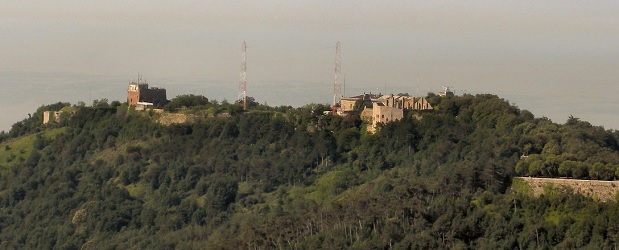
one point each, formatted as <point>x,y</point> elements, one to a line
<point>19,149</point>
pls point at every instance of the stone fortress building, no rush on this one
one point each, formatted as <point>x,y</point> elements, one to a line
<point>385,108</point>
<point>140,95</point>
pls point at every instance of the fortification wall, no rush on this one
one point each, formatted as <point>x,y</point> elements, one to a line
<point>172,118</point>
<point>600,190</point>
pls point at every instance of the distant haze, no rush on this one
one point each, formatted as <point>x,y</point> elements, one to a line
<point>554,58</point>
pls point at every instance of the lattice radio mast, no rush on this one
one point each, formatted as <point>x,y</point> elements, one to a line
<point>336,86</point>
<point>243,82</point>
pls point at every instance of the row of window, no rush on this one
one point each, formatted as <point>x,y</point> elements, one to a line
<point>381,117</point>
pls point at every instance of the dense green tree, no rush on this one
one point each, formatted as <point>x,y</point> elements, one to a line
<point>186,101</point>
<point>283,177</point>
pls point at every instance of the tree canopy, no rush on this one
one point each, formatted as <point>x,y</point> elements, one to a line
<point>283,177</point>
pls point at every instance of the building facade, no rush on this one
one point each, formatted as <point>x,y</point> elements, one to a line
<point>347,104</point>
<point>382,113</point>
<point>140,92</point>
<point>386,108</point>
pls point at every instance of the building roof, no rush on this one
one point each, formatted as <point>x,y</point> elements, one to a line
<point>365,96</point>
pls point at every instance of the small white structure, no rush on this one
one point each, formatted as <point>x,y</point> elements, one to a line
<point>143,105</point>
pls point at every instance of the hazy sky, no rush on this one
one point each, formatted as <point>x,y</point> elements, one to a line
<point>554,58</point>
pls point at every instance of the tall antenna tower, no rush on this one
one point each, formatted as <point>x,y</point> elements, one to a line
<point>243,82</point>
<point>336,86</point>
<point>344,84</point>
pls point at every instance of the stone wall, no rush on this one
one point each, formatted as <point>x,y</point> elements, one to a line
<point>51,116</point>
<point>173,118</point>
<point>422,104</point>
<point>600,190</point>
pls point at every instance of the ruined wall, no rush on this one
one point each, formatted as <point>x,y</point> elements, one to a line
<point>422,104</point>
<point>407,102</point>
<point>51,116</point>
<point>46,116</point>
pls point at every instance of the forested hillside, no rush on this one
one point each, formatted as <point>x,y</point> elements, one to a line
<point>109,177</point>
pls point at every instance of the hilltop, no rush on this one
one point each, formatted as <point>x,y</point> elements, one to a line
<point>109,176</point>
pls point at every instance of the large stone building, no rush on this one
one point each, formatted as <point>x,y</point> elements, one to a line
<point>140,92</point>
<point>382,113</point>
<point>386,108</point>
<point>347,104</point>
